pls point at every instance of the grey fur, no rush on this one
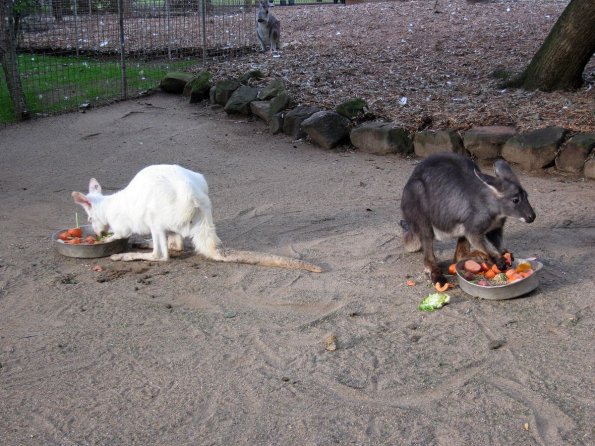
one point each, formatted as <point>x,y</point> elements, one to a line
<point>268,28</point>
<point>448,195</point>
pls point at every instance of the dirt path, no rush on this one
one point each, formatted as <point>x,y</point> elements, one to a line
<point>193,352</point>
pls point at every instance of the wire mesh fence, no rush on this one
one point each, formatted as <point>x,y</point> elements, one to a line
<point>58,55</point>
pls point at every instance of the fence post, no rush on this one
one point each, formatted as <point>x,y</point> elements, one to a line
<point>168,27</point>
<point>122,49</point>
<point>203,25</point>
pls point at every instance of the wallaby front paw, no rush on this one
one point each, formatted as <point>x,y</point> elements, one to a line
<point>116,257</point>
<point>501,264</point>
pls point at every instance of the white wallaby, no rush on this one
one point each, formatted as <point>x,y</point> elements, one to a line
<point>170,203</point>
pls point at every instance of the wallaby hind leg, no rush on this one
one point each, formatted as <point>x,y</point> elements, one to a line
<point>159,253</point>
<point>175,242</point>
<point>430,263</point>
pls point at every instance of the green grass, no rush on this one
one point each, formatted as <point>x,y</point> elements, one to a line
<point>52,84</point>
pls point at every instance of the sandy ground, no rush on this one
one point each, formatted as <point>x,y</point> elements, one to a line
<point>193,352</point>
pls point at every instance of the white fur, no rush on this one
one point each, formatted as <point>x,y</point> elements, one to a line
<point>168,202</point>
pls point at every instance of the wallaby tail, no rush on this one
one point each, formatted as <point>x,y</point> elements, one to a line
<point>263,259</point>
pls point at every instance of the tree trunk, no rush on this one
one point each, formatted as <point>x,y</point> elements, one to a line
<point>561,60</point>
<point>8,59</point>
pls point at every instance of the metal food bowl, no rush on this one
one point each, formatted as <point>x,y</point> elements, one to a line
<point>505,291</point>
<point>86,251</point>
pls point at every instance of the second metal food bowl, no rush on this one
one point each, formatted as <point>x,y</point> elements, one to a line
<point>505,291</point>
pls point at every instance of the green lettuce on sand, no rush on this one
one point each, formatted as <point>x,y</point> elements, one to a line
<point>434,301</point>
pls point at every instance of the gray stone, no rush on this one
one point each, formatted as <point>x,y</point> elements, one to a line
<point>575,152</point>
<point>274,88</point>
<point>175,82</point>
<point>293,119</point>
<point>381,138</point>
<point>589,171</point>
<point>252,74</point>
<point>199,87</point>
<point>428,142</point>
<point>534,150</point>
<point>487,142</point>
<point>240,100</point>
<point>224,89</point>
<point>276,123</point>
<point>261,109</point>
<point>280,102</point>
<point>352,108</point>
<point>327,128</point>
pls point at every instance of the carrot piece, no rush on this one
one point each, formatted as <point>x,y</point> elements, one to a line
<point>410,282</point>
<point>472,266</point>
<point>496,269</point>
<point>489,274</point>
<point>442,288</point>
<point>452,269</point>
<point>514,277</point>
<point>75,232</point>
<point>63,235</point>
<point>526,274</point>
<point>510,272</point>
<point>484,266</point>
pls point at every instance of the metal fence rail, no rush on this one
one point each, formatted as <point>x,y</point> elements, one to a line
<point>58,55</point>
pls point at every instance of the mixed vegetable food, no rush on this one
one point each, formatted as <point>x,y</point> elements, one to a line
<point>74,236</point>
<point>483,274</point>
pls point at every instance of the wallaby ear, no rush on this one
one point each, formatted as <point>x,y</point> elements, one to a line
<point>489,181</point>
<point>94,186</point>
<point>80,198</point>
<point>504,172</point>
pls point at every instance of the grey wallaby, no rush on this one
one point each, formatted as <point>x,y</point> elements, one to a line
<point>268,28</point>
<point>448,196</point>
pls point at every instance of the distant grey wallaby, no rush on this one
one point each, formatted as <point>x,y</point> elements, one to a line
<point>448,196</point>
<point>268,28</point>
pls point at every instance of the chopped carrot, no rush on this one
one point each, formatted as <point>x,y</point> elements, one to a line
<point>496,269</point>
<point>452,269</point>
<point>489,274</point>
<point>526,274</point>
<point>442,288</point>
<point>509,272</point>
<point>75,232</point>
<point>514,277</point>
<point>484,266</point>
<point>410,283</point>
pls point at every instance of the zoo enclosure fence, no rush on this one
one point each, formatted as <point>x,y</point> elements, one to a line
<point>59,55</point>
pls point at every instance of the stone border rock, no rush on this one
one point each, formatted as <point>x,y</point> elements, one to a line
<point>352,123</point>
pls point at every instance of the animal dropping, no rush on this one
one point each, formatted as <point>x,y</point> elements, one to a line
<point>170,203</point>
<point>448,196</point>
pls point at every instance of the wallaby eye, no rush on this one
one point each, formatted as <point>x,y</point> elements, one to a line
<point>516,200</point>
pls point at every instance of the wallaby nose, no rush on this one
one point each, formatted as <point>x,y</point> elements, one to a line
<point>530,218</point>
